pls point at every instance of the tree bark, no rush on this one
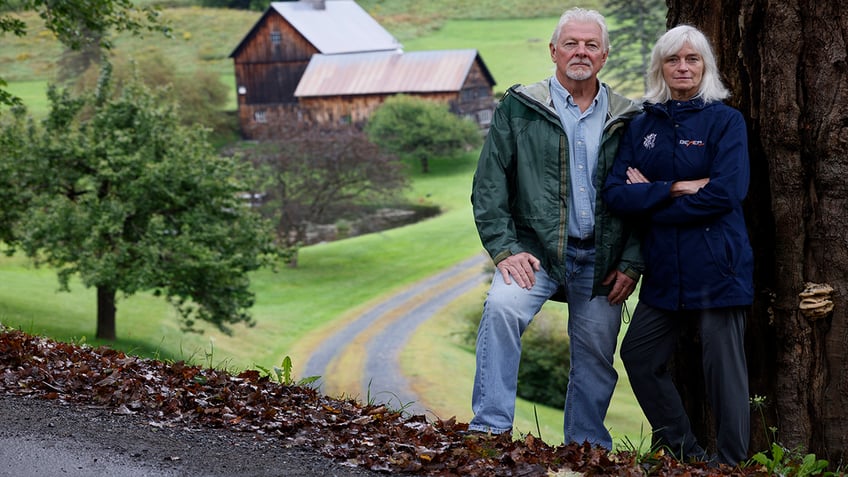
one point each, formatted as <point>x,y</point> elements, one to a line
<point>785,63</point>
<point>106,313</point>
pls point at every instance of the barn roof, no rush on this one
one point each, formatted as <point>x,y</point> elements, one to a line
<point>388,72</point>
<point>341,26</point>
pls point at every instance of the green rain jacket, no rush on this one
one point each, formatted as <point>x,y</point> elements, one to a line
<point>520,189</point>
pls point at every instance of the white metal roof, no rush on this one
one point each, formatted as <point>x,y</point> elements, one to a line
<point>341,26</point>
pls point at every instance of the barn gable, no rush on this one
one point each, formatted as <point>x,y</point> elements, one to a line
<point>329,26</point>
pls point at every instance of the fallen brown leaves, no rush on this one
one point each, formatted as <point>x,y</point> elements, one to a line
<point>175,394</point>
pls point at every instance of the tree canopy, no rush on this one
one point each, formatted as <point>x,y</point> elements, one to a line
<point>117,192</point>
<point>77,23</point>
<point>258,5</point>
<point>639,23</point>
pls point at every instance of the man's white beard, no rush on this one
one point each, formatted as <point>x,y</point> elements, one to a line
<point>579,74</point>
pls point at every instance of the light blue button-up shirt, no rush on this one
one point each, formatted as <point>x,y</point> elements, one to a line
<point>584,130</point>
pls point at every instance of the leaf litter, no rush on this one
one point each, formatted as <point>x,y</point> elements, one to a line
<point>175,394</point>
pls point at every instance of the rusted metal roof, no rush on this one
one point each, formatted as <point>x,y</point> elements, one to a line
<point>388,72</point>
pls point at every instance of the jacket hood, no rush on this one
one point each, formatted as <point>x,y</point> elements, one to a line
<point>666,108</point>
<point>538,96</point>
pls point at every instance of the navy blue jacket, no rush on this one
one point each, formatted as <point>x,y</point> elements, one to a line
<point>696,249</point>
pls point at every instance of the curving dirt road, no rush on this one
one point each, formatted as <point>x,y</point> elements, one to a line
<point>382,332</point>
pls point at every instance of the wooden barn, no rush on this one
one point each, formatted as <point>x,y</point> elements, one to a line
<point>328,62</point>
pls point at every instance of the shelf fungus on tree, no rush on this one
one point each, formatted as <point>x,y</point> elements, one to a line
<point>815,300</point>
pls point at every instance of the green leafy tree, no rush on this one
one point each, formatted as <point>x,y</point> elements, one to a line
<point>258,5</point>
<point>199,96</point>
<point>128,200</point>
<point>78,23</point>
<point>15,192</point>
<point>639,24</point>
<point>545,361</point>
<point>418,129</point>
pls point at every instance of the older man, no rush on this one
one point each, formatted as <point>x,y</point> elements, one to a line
<point>540,217</point>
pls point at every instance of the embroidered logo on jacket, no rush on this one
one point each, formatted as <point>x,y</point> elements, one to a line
<point>691,142</point>
<point>649,141</point>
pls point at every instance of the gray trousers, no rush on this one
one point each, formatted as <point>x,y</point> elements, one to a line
<point>649,344</point>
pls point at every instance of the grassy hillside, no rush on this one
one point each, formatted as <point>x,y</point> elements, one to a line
<point>511,36</point>
<point>408,19</point>
<point>334,279</point>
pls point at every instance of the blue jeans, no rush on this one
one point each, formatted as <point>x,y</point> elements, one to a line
<point>593,326</point>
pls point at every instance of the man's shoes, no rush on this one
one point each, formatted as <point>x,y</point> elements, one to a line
<point>480,435</point>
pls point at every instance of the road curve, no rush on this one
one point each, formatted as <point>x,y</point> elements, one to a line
<point>384,331</point>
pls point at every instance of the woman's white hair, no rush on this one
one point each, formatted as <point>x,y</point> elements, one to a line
<point>581,15</point>
<point>711,88</point>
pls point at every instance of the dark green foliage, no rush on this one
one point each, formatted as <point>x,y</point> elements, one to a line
<point>126,199</point>
<point>545,356</point>
<point>199,96</point>
<point>76,22</point>
<point>417,129</point>
<point>640,24</point>
<point>258,5</point>
<point>545,362</point>
<point>79,24</point>
<point>15,189</point>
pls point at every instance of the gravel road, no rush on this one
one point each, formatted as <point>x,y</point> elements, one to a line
<point>395,320</point>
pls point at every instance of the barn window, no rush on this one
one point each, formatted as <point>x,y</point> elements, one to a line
<point>276,37</point>
<point>484,116</point>
<point>259,117</point>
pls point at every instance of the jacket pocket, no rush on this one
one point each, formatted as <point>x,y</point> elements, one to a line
<point>721,250</point>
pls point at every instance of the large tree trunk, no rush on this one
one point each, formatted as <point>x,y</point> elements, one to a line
<point>106,313</point>
<point>785,62</point>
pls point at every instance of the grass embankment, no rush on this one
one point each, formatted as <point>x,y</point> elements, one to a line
<point>515,50</point>
<point>333,280</point>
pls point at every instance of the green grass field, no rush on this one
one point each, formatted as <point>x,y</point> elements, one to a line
<point>332,280</point>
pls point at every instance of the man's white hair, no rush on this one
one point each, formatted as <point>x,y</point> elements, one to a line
<point>581,15</point>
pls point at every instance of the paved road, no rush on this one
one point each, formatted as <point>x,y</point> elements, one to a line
<point>46,438</point>
<point>388,327</point>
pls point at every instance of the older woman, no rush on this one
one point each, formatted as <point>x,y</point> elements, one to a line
<point>682,172</point>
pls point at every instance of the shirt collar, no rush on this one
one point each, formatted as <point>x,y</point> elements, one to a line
<point>559,90</point>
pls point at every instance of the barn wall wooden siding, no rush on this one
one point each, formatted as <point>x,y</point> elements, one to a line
<point>476,95</point>
<point>270,71</point>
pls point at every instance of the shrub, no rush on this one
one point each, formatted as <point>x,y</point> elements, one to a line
<point>417,129</point>
<point>545,362</point>
<point>545,356</point>
<point>200,95</point>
